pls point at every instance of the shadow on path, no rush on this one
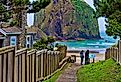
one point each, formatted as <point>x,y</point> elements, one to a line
<point>69,75</point>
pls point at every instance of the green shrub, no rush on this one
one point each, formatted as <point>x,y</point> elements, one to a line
<point>44,43</point>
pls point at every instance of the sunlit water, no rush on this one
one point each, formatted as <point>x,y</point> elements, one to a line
<point>94,45</point>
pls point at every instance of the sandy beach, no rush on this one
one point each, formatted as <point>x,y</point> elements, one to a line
<point>98,56</point>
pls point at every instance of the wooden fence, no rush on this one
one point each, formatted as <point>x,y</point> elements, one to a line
<point>28,66</point>
<point>114,52</point>
<point>7,63</point>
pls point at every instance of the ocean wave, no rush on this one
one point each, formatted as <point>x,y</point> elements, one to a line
<point>100,44</point>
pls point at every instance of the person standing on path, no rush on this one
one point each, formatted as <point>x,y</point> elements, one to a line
<point>82,56</point>
<point>87,60</point>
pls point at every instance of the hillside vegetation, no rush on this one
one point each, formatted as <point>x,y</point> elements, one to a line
<point>68,19</point>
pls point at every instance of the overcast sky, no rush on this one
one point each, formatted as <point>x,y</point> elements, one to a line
<point>90,2</point>
<point>101,20</point>
<point>30,17</point>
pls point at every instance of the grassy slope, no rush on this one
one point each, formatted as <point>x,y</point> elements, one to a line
<point>56,75</point>
<point>105,71</point>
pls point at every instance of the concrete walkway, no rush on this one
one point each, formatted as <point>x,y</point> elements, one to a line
<point>69,75</point>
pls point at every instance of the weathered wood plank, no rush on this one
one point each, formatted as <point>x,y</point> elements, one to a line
<point>28,69</point>
<point>5,63</point>
<point>1,68</point>
<point>16,69</point>
<point>20,68</point>
<point>23,67</point>
<point>37,63</point>
<point>7,49</point>
<point>20,52</point>
<point>10,67</point>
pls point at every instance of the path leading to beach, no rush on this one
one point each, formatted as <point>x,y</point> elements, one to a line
<point>69,75</point>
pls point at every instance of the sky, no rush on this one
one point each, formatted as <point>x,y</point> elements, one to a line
<point>101,20</point>
<point>90,2</point>
<point>30,17</point>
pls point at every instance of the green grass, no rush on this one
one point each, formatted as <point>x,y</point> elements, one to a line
<point>104,71</point>
<point>57,74</point>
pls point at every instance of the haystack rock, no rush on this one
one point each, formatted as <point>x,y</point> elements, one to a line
<point>68,20</point>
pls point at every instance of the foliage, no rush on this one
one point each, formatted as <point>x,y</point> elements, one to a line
<point>13,22</point>
<point>2,8</point>
<point>3,14</point>
<point>59,45</point>
<point>110,9</point>
<point>39,4</point>
<point>86,16</point>
<point>44,43</point>
<point>20,2</point>
<point>50,39</point>
<point>75,21</point>
<point>104,71</point>
<point>17,5</point>
<point>36,5</point>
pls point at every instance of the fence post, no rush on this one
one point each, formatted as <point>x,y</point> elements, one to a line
<point>108,53</point>
<point>116,54</point>
<point>119,44</point>
<point>51,62</point>
<point>58,55</point>
<point>42,64</point>
<point>111,54</point>
<point>54,60</point>
<point>47,63</point>
<point>37,70</point>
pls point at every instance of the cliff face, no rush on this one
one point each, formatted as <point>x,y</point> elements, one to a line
<point>68,19</point>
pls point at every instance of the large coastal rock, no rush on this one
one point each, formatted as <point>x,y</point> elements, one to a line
<point>68,20</point>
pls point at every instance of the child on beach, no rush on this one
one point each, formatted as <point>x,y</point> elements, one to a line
<point>82,56</point>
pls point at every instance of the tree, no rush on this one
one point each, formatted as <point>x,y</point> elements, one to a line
<point>110,9</point>
<point>4,14</point>
<point>16,6</point>
<point>37,5</point>
<point>44,43</point>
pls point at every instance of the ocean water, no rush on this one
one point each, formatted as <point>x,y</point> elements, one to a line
<point>94,45</point>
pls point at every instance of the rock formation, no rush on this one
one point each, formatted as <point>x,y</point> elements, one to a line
<point>68,20</point>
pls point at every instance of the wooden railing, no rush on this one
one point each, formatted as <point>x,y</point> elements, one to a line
<point>28,66</point>
<point>114,52</point>
<point>7,63</point>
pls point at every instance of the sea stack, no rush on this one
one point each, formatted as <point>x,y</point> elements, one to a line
<point>68,20</point>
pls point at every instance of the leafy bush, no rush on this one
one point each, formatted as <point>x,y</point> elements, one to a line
<point>44,44</point>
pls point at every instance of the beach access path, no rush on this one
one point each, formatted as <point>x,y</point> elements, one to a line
<point>69,75</point>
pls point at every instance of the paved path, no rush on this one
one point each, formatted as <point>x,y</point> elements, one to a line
<point>69,75</point>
